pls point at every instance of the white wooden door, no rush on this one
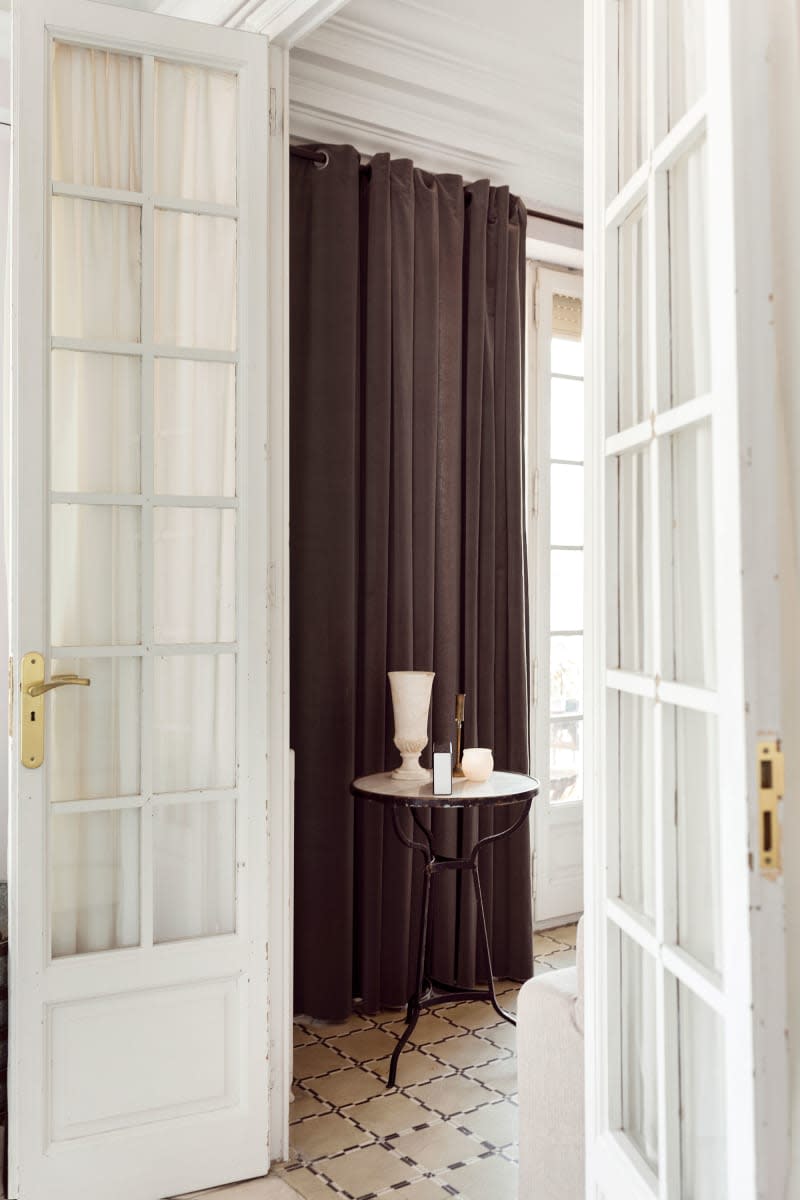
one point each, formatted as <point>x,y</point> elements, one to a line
<point>685,962</point>
<point>556,547</point>
<point>140,538</point>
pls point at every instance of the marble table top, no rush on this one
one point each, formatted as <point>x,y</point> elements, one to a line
<point>502,787</point>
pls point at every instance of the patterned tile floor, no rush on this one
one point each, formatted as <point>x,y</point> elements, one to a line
<point>449,1129</point>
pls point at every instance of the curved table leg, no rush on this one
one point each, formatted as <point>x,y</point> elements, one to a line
<point>482,924</point>
<point>414,1008</point>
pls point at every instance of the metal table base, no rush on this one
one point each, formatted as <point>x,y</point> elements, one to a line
<point>430,992</point>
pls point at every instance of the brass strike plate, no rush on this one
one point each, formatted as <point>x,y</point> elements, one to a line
<point>31,712</point>
<point>770,791</point>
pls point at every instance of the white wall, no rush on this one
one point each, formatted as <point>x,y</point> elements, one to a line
<point>785,150</point>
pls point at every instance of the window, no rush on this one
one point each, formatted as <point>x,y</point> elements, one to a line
<point>556,458</point>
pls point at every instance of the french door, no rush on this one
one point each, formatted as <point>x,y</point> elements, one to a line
<point>142,767</point>
<point>685,1070</point>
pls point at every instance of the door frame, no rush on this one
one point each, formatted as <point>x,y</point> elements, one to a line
<point>742,318</point>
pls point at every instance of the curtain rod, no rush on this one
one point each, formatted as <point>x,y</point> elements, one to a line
<point>321,158</point>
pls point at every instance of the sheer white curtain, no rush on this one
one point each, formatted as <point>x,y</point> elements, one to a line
<point>96,551</point>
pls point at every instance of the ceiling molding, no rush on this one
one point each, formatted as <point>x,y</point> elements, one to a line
<point>481,86</point>
<point>282,21</point>
<point>434,118</point>
<point>285,22</point>
<point>416,79</point>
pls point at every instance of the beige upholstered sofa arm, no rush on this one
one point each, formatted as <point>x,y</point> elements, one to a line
<point>551,1092</point>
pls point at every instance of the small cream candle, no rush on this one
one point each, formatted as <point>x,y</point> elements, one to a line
<point>477,763</point>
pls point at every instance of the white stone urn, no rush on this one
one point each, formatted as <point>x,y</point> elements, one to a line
<point>411,700</point>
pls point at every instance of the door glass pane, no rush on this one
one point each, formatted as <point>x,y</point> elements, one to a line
<point>194,722</point>
<point>96,261</point>
<point>638,1044</point>
<point>631,753</point>
<point>702,1099</point>
<point>194,428</point>
<point>94,433</point>
<point>194,567</point>
<point>632,88</point>
<point>194,867</point>
<point>566,760</point>
<point>91,606</point>
<point>689,292</point>
<point>195,280</point>
<point>566,505</point>
<point>566,358</point>
<point>96,125</point>
<point>93,733</point>
<point>629,626</point>
<point>690,559</point>
<point>566,419</point>
<point>566,675</point>
<point>633,405</point>
<point>195,133</point>
<point>690,759</point>
<point>94,881</point>
<point>687,55</point>
<point>566,590</point>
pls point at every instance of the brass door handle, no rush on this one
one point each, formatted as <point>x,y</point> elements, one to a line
<point>57,681</point>
<point>33,687</point>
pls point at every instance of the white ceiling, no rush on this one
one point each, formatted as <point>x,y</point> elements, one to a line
<point>465,85</point>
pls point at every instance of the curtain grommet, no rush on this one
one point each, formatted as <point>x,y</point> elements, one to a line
<point>326,158</point>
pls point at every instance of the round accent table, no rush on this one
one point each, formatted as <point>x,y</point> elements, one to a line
<point>501,788</point>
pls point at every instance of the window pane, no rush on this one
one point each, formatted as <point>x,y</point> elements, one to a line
<point>632,87</point>
<point>566,505</point>
<point>629,632</point>
<point>690,761</point>
<point>566,356</point>
<point>633,405</point>
<point>194,428</point>
<point>566,760</point>
<point>689,292</point>
<point>690,559</point>
<point>638,1045</point>
<point>93,733</point>
<point>566,590</point>
<point>702,1099</point>
<point>195,132</point>
<point>194,568</point>
<point>94,881</point>
<point>631,769</point>
<point>194,869</point>
<point>91,607</point>
<point>566,675</point>
<point>96,261</point>
<point>96,126</point>
<point>94,436</point>
<point>687,55</point>
<point>195,280</point>
<point>194,722</point>
<point>566,419</point>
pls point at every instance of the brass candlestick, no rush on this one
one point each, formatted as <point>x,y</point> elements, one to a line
<point>460,698</point>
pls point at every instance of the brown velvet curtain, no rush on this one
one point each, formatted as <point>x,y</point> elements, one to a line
<point>407,553</point>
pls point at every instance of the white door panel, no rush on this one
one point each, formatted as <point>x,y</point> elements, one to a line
<point>683,1063</point>
<point>139,1059</point>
